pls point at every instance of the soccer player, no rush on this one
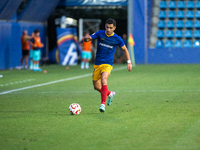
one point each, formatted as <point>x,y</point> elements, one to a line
<point>36,45</point>
<point>86,52</point>
<point>25,48</point>
<point>107,42</point>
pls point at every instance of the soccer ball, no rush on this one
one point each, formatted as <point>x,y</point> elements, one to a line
<point>74,109</point>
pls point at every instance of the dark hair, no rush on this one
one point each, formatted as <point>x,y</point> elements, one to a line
<point>36,31</point>
<point>111,21</point>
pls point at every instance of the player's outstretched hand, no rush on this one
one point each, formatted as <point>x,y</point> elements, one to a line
<point>129,67</point>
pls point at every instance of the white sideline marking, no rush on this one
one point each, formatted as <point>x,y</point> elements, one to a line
<point>52,82</point>
<point>43,84</point>
<point>28,80</point>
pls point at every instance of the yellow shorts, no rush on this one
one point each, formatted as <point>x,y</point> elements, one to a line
<point>99,69</point>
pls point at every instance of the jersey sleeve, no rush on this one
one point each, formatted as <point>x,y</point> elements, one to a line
<point>121,42</point>
<point>95,35</point>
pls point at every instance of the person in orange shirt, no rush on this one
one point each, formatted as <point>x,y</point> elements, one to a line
<point>86,52</point>
<point>35,46</point>
<point>25,48</point>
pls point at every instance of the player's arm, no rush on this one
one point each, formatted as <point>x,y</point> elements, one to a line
<point>87,38</point>
<point>126,54</point>
<point>32,43</point>
<point>28,38</point>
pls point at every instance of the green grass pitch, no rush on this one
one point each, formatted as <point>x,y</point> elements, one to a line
<point>156,107</point>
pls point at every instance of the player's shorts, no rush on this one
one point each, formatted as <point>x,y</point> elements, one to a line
<point>36,55</point>
<point>86,55</point>
<point>99,69</point>
<point>25,52</point>
<point>31,54</point>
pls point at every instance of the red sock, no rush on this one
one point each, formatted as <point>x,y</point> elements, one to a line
<point>107,93</point>
<point>104,92</point>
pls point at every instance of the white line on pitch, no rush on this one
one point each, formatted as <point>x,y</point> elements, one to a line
<point>52,82</point>
<point>28,80</point>
<point>48,83</point>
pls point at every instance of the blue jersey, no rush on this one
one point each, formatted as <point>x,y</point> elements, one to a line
<point>106,46</point>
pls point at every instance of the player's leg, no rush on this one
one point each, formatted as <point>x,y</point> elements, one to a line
<point>22,61</point>
<point>38,62</point>
<point>104,90</point>
<point>38,68</point>
<point>87,63</point>
<point>100,77</point>
<point>82,63</point>
<point>89,56</point>
<point>26,61</point>
<point>34,65</point>
<point>104,79</point>
<point>96,77</point>
<point>97,85</point>
<point>34,60</point>
<point>31,59</point>
<point>26,58</point>
<point>37,59</point>
<point>83,59</point>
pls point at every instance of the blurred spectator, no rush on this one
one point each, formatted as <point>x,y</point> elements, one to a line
<point>25,49</point>
<point>36,45</point>
<point>86,52</point>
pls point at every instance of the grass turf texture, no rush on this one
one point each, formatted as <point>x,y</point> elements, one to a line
<point>155,107</point>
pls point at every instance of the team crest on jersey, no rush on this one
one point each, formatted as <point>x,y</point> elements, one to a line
<point>102,39</point>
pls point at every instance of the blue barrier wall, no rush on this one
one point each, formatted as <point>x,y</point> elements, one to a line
<point>36,12</point>
<point>10,45</point>
<point>173,55</point>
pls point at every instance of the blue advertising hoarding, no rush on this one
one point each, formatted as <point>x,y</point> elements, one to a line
<point>67,46</point>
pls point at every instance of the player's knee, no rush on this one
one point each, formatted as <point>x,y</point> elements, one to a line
<point>104,81</point>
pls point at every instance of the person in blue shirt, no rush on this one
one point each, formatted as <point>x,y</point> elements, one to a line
<point>107,42</point>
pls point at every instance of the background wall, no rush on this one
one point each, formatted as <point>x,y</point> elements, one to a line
<point>10,45</point>
<point>19,15</point>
